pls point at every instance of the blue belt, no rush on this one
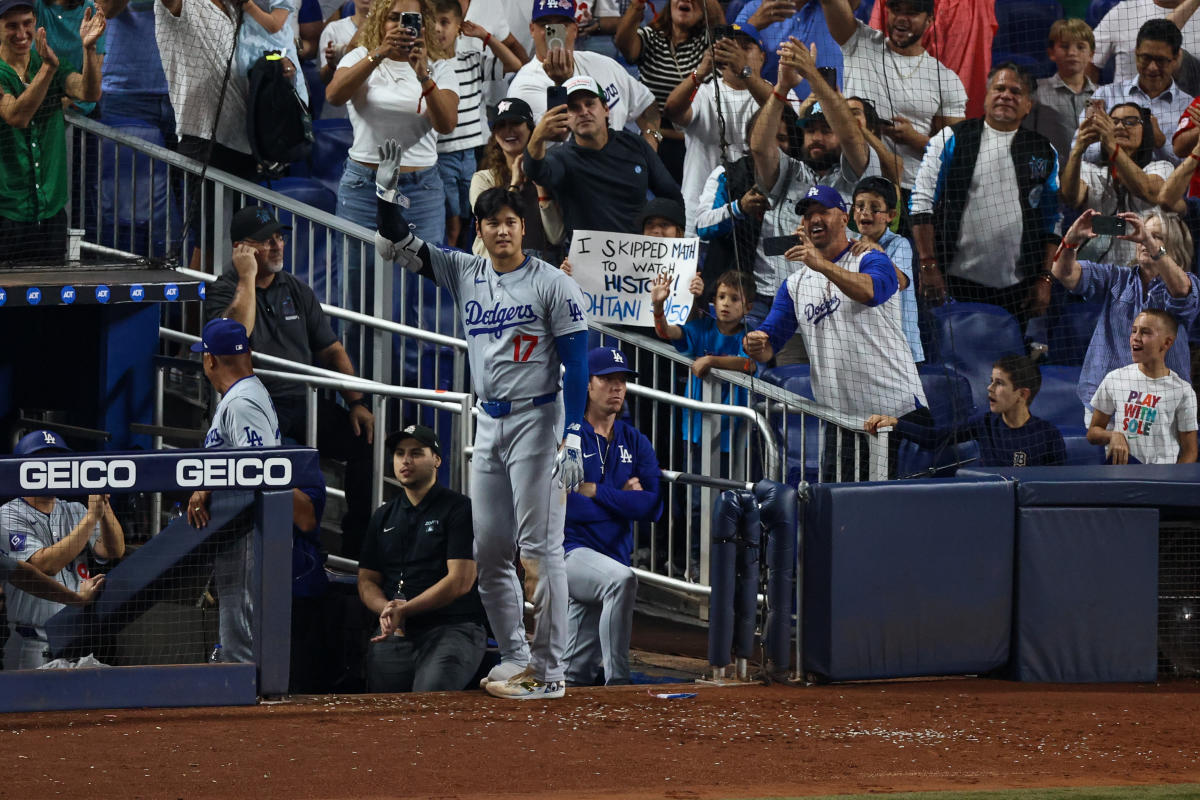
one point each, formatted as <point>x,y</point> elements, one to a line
<point>502,408</point>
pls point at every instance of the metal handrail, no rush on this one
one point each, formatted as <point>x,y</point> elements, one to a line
<point>362,319</point>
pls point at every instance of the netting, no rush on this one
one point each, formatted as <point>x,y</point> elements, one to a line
<point>161,603</point>
<point>1179,599</point>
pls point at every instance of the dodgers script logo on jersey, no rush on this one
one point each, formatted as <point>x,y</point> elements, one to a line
<point>815,312</point>
<point>497,319</point>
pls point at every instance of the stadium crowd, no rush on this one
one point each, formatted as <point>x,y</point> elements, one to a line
<point>855,170</point>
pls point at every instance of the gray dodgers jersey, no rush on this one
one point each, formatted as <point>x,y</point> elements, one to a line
<point>27,530</point>
<point>245,417</point>
<point>511,321</point>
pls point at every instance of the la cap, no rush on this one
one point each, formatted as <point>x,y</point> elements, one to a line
<point>223,337</point>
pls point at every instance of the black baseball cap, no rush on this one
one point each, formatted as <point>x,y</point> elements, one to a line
<point>514,109</point>
<point>880,186</point>
<point>255,223</point>
<point>919,6</point>
<point>8,5</point>
<point>425,435</point>
<point>663,207</point>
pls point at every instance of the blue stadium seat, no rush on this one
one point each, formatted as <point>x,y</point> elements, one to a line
<point>1057,402</point>
<point>949,399</point>
<point>1098,9</point>
<point>1071,332</point>
<point>306,190</point>
<point>970,337</point>
<point>1023,26</point>
<point>863,12</point>
<point>131,197</point>
<point>1081,452</point>
<point>1037,67</point>
<point>331,143</point>
<point>802,462</point>
<point>1023,29</point>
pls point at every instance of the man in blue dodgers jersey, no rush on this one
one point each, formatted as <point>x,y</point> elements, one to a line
<point>523,319</point>
<point>59,539</point>
<point>244,417</point>
<point>621,482</point>
<point>842,305</point>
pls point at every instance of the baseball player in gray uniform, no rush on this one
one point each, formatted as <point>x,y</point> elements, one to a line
<point>524,320</point>
<point>60,539</point>
<point>245,417</point>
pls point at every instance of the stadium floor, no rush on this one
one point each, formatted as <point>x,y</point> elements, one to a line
<point>737,742</point>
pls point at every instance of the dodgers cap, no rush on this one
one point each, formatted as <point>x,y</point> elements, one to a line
<point>223,337</point>
<point>821,195</point>
<point>607,360</point>
<point>39,441</point>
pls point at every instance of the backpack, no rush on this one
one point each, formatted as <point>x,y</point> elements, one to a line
<point>278,123</point>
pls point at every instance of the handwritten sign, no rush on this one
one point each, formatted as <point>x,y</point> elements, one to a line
<point>616,270</point>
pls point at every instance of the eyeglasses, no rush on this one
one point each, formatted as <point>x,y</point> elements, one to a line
<point>1162,62</point>
<point>1128,122</point>
<point>869,209</point>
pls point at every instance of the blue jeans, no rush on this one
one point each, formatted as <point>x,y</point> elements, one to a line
<point>423,188</point>
<point>456,170</point>
<point>143,106</point>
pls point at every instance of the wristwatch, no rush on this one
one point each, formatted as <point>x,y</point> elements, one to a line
<point>374,59</point>
<point>653,133</point>
<point>746,72</point>
<point>1162,251</point>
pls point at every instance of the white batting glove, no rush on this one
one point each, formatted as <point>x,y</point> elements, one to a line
<point>387,175</point>
<point>568,463</point>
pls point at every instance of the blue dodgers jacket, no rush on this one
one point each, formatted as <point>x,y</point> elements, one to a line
<point>605,523</point>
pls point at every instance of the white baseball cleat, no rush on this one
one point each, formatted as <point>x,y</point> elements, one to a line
<point>523,686</point>
<point>502,672</point>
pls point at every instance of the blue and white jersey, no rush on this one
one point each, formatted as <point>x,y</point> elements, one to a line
<point>26,531</point>
<point>245,417</point>
<point>861,364</point>
<point>511,320</point>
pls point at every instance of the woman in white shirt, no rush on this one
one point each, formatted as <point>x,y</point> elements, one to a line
<point>395,93</point>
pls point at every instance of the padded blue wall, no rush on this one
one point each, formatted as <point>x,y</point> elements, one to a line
<point>1086,606</point>
<point>908,578</point>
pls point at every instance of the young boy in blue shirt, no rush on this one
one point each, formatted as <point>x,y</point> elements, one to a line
<point>1007,434</point>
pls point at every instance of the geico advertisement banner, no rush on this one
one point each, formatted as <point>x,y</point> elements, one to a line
<point>92,473</point>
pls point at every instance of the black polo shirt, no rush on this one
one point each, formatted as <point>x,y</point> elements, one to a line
<point>413,543</point>
<point>288,322</point>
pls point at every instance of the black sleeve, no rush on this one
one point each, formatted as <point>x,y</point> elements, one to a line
<point>661,182</point>
<point>460,534</point>
<point>218,295</point>
<point>369,556</point>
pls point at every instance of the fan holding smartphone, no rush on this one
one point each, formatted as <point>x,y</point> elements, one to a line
<point>393,90</point>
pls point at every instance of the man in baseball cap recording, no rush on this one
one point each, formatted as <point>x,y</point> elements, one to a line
<point>417,572</point>
<point>839,302</point>
<point>601,176</point>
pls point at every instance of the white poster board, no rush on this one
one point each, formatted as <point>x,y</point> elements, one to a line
<point>615,272</point>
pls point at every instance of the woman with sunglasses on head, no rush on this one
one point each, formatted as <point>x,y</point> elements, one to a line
<point>1127,179</point>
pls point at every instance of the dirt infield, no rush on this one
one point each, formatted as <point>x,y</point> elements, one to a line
<point>619,742</point>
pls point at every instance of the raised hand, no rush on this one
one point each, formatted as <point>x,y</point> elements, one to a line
<point>49,59</point>
<point>660,289</point>
<point>91,28</point>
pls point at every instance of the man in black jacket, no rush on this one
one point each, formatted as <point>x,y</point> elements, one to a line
<point>985,205</point>
<point>599,178</point>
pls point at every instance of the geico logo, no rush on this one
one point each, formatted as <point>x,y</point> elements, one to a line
<point>91,474</point>
<point>241,472</point>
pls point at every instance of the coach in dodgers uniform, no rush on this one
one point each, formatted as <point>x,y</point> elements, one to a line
<point>244,417</point>
<point>524,320</point>
<point>56,537</point>
<point>620,487</point>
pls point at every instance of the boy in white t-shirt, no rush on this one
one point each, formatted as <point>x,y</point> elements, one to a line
<point>1152,411</point>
